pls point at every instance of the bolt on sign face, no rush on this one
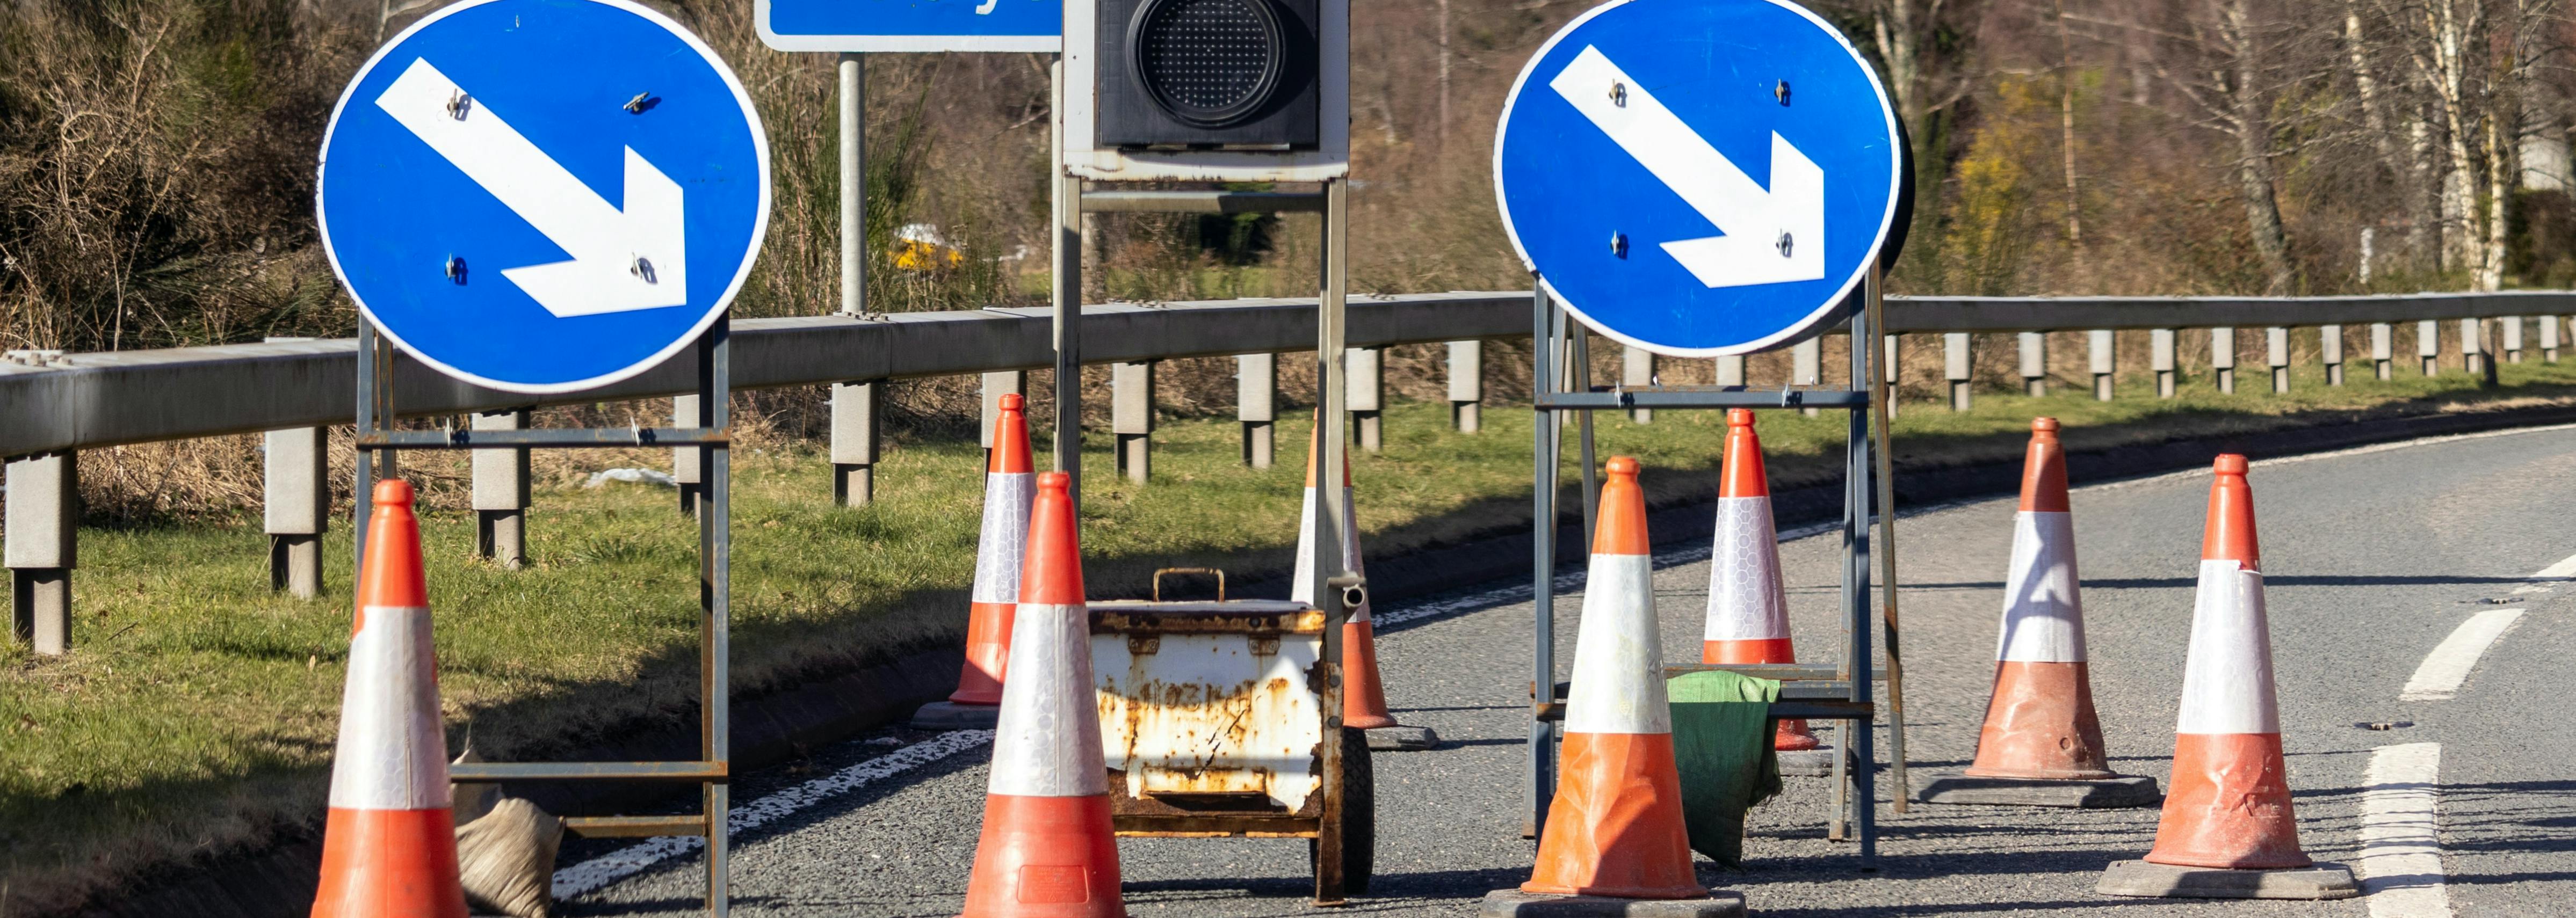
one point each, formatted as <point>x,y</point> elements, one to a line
<point>543,195</point>
<point>1699,177</point>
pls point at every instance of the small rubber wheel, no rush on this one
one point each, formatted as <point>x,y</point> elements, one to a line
<point>1359,815</point>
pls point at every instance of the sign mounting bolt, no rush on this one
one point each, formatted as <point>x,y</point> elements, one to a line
<point>458,103</point>
<point>1618,244</point>
<point>642,268</point>
<point>1785,242</point>
<point>1782,93</point>
<point>636,105</point>
<point>1619,93</point>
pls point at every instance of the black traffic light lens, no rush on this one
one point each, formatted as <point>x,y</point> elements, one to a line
<point>1207,63</point>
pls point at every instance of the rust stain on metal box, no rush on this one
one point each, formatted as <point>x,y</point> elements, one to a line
<point>1223,702</point>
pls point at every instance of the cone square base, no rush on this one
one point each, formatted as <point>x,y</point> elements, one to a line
<point>2140,878</point>
<point>1400,738</point>
<point>2088,794</point>
<point>949,715</point>
<point>1513,903</point>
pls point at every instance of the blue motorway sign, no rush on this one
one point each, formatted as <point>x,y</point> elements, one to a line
<point>543,195</point>
<point>1699,177</point>
<point>911,25</point>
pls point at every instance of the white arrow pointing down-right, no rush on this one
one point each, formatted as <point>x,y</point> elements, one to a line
<point>1772,236</point>
<point>622,259</point>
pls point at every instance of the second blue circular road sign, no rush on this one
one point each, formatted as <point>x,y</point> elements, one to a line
<point>1699,177</point>
<point>544,195</point>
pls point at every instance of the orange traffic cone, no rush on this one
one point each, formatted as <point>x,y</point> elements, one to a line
<point>2229,808</point>
<point>1008,489</point>
<point>2042,742</point>
<point>1047,850</point>
<point>1615,827</point>
<point>389,845</point>
<point>1748,608</point>
<point>1363,696</point>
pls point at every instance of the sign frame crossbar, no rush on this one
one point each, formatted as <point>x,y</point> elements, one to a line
<point>1561,379</point>
<point>378,444</point>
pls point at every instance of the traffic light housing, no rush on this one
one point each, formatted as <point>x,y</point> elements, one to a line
<point>1208,74</point>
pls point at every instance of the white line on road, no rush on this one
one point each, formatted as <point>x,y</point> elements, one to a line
<point>2401,844</point>
<point>2552,575</point>
<point>2449,663</point>
<point>597,872</point>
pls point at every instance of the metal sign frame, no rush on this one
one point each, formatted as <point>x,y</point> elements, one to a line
<point>378,443</point>
<point>1841,692</point>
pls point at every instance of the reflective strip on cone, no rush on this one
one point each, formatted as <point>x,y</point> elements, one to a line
<point>1748,606</point>
<point>392,753</point>
<point>999,550</point>
<point>2227,683</point>
<point>1614,693</point>
<point>1046,742</point>
<point>2043,617</point>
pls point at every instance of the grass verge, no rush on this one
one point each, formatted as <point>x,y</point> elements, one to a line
<point>196,714</point>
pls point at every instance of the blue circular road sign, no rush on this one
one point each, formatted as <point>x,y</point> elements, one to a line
<point>1699,177</point>
<point>544,195</point>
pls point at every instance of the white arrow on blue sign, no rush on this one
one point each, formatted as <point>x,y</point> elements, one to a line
<point>1698,177</point>
<point>544,195</point>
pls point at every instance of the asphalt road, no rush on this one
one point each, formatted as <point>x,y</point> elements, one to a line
<point>2372,557</point>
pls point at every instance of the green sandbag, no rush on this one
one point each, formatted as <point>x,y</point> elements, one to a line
<point>1722,743</point>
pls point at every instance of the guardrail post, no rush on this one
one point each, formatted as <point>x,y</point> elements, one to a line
<point>2383,350</point>
<point>1131,417</point>
<point>2276,354</point>
<point>2222,358</point>
<point>2160,344</point>
<point>996,385</point>
<point>500,493</point>
<point>2512,338</point>
<point>1466,385</point>
<point>1256,401</point>
<point>1954,367</point>
<point>854,442</point>
<point>1890,365</point>
<point>1637,371</point>
<point>2103,355</point>
<point>1807,367</point>
<point>684,459</point>
<point>1730,370</point>
<point>2034,364</point>
<point>2428,345</point>
<point>296,503</point>
<point>2549,339</point>
<point>41,532</point>
<point>1367,395</point>
<point>2330,351</point>
<point>2473,351</point>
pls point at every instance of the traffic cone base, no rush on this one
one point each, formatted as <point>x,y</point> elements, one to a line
<point>1614,828</point>
<point>2030,730</point>
<point>389,862</point>
<point>2222,813</point>
<point>1046,857</point>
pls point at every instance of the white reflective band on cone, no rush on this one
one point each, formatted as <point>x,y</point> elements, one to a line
<point>393,746</point>
<point>1005,538</point>
<point>1618,660</point>
<point>1299,590</point>
<point>1047,741</point>
<point>2227,685</point>
<point>2043,616</point>
<point>1746,600</point>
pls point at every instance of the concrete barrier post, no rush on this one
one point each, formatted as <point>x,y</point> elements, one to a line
<point>2383,350</point>
<point>501,493</point>
<point>1366,394</point>
<point>41,533</point>
<point>1807,367</point>
<point>2428,345</point>
<point>2222,358</point>
<point>2512,338</point>
<point>1256,406</point>
<point>1466,385</point>
<point>1954,368</point>
<point>2160,344</point>
<point>854,443</point>
<point>2034,364</point>
<point>1888,365</point>
<point>684,459</point>
<point>2473,346</point>
<point>1730,370</point>
<point>295,500</point>
<point>2103,355</point>
<point>1131,417</point>
<point>2549,339</point>
<point>996,385</point>
<point>2276,354</point>
<point>1637,371</point>
<point>2330,352</point>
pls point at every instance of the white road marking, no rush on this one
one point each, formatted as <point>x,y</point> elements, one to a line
<point>2200,471</point>
<point>591,875</point>
<point>2401,846</point>
<point>2560,572</point>
<point>2449,663</point>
